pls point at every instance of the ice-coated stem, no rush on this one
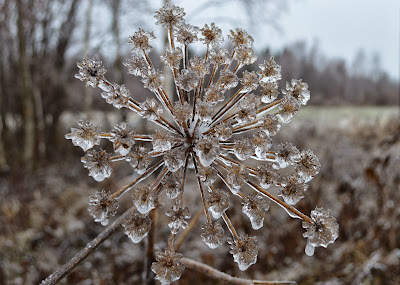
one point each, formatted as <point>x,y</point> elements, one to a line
<point>279,202</point>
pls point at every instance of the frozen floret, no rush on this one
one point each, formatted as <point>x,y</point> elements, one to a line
<point>98,164</point>
<point>123,138</point>
<point>244,250</point>
<point>86,136</point>
<point>255,208</point>
<point>92,71</point>
<point>140,40</point>
<point>168,267</point>
<point>177,218</point>
<point>322,231</point>
<point>212,35</point>
<point>212,234</point>
<point>102,207</point>
<point>145,199</point>
<point>137,226</point>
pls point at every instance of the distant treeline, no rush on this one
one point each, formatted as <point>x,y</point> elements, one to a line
<point>333,81</point>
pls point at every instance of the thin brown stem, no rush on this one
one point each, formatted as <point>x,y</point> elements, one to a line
<point>279,202</point>
<point>129,186</point>
<point>230,226</point>
<point>55,277</point>
<point>225,278</point>
<point>191,225</point>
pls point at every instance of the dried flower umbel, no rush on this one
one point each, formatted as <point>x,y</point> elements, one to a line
<point>209,129</point>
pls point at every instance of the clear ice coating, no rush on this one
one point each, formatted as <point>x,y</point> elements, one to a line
<point>322,231</point>
<point>137,226</point>
<point>175,159</point>
<point>86,137</point>
<point>168,267</point>
<point>177,218</point>
<point>139,159</point>
<point>308,165</point>
<point>293,190</point>
<point>243,149</point>
<point>145,199</point>
<point>123,138</point>
<point>162,141</point>
<point>207,150</point>
<point>255,208</point>
<point>262,144</point>
<point>267,174</point>
<point>212,234</point>
<point>244,250</point>
<point>101,207</point>
<point>235,177</point>
<point>218,203</point>
<point>205,132</point>
<point>98,164</point>
<point>172,185</point>
<point>288,154</point>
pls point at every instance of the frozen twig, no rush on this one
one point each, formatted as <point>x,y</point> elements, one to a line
<point>220,276</point>
<point>55,277</point>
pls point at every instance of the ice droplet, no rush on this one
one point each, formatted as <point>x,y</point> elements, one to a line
<point>309,249</point>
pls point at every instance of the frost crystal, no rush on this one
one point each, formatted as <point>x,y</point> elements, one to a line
<point>212,234</point>
<point>98,164</point>
<point>86,137</point>
<point>168,267</point>
<point>322,231</point>
<point>101,207</point>
<point>244,250</point>
<point>137,226</point>
<point>218,125</point>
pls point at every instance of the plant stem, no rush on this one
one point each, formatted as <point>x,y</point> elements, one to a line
<point>55,277</point>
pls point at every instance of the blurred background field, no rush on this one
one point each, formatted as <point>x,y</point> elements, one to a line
<point>352,123</point>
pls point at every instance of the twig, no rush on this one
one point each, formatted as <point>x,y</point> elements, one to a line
<point>220,276</point>
<point>192,223</point>
<point>55,277</point>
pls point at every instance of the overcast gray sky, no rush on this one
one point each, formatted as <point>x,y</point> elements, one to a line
<point>341,27</point>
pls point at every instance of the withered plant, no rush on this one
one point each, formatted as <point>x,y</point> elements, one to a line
<point>223,119</point>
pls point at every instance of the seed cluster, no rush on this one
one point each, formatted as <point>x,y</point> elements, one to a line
<point>221,120</point>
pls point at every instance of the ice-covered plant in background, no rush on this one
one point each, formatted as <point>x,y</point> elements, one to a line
<point>223,118</point>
